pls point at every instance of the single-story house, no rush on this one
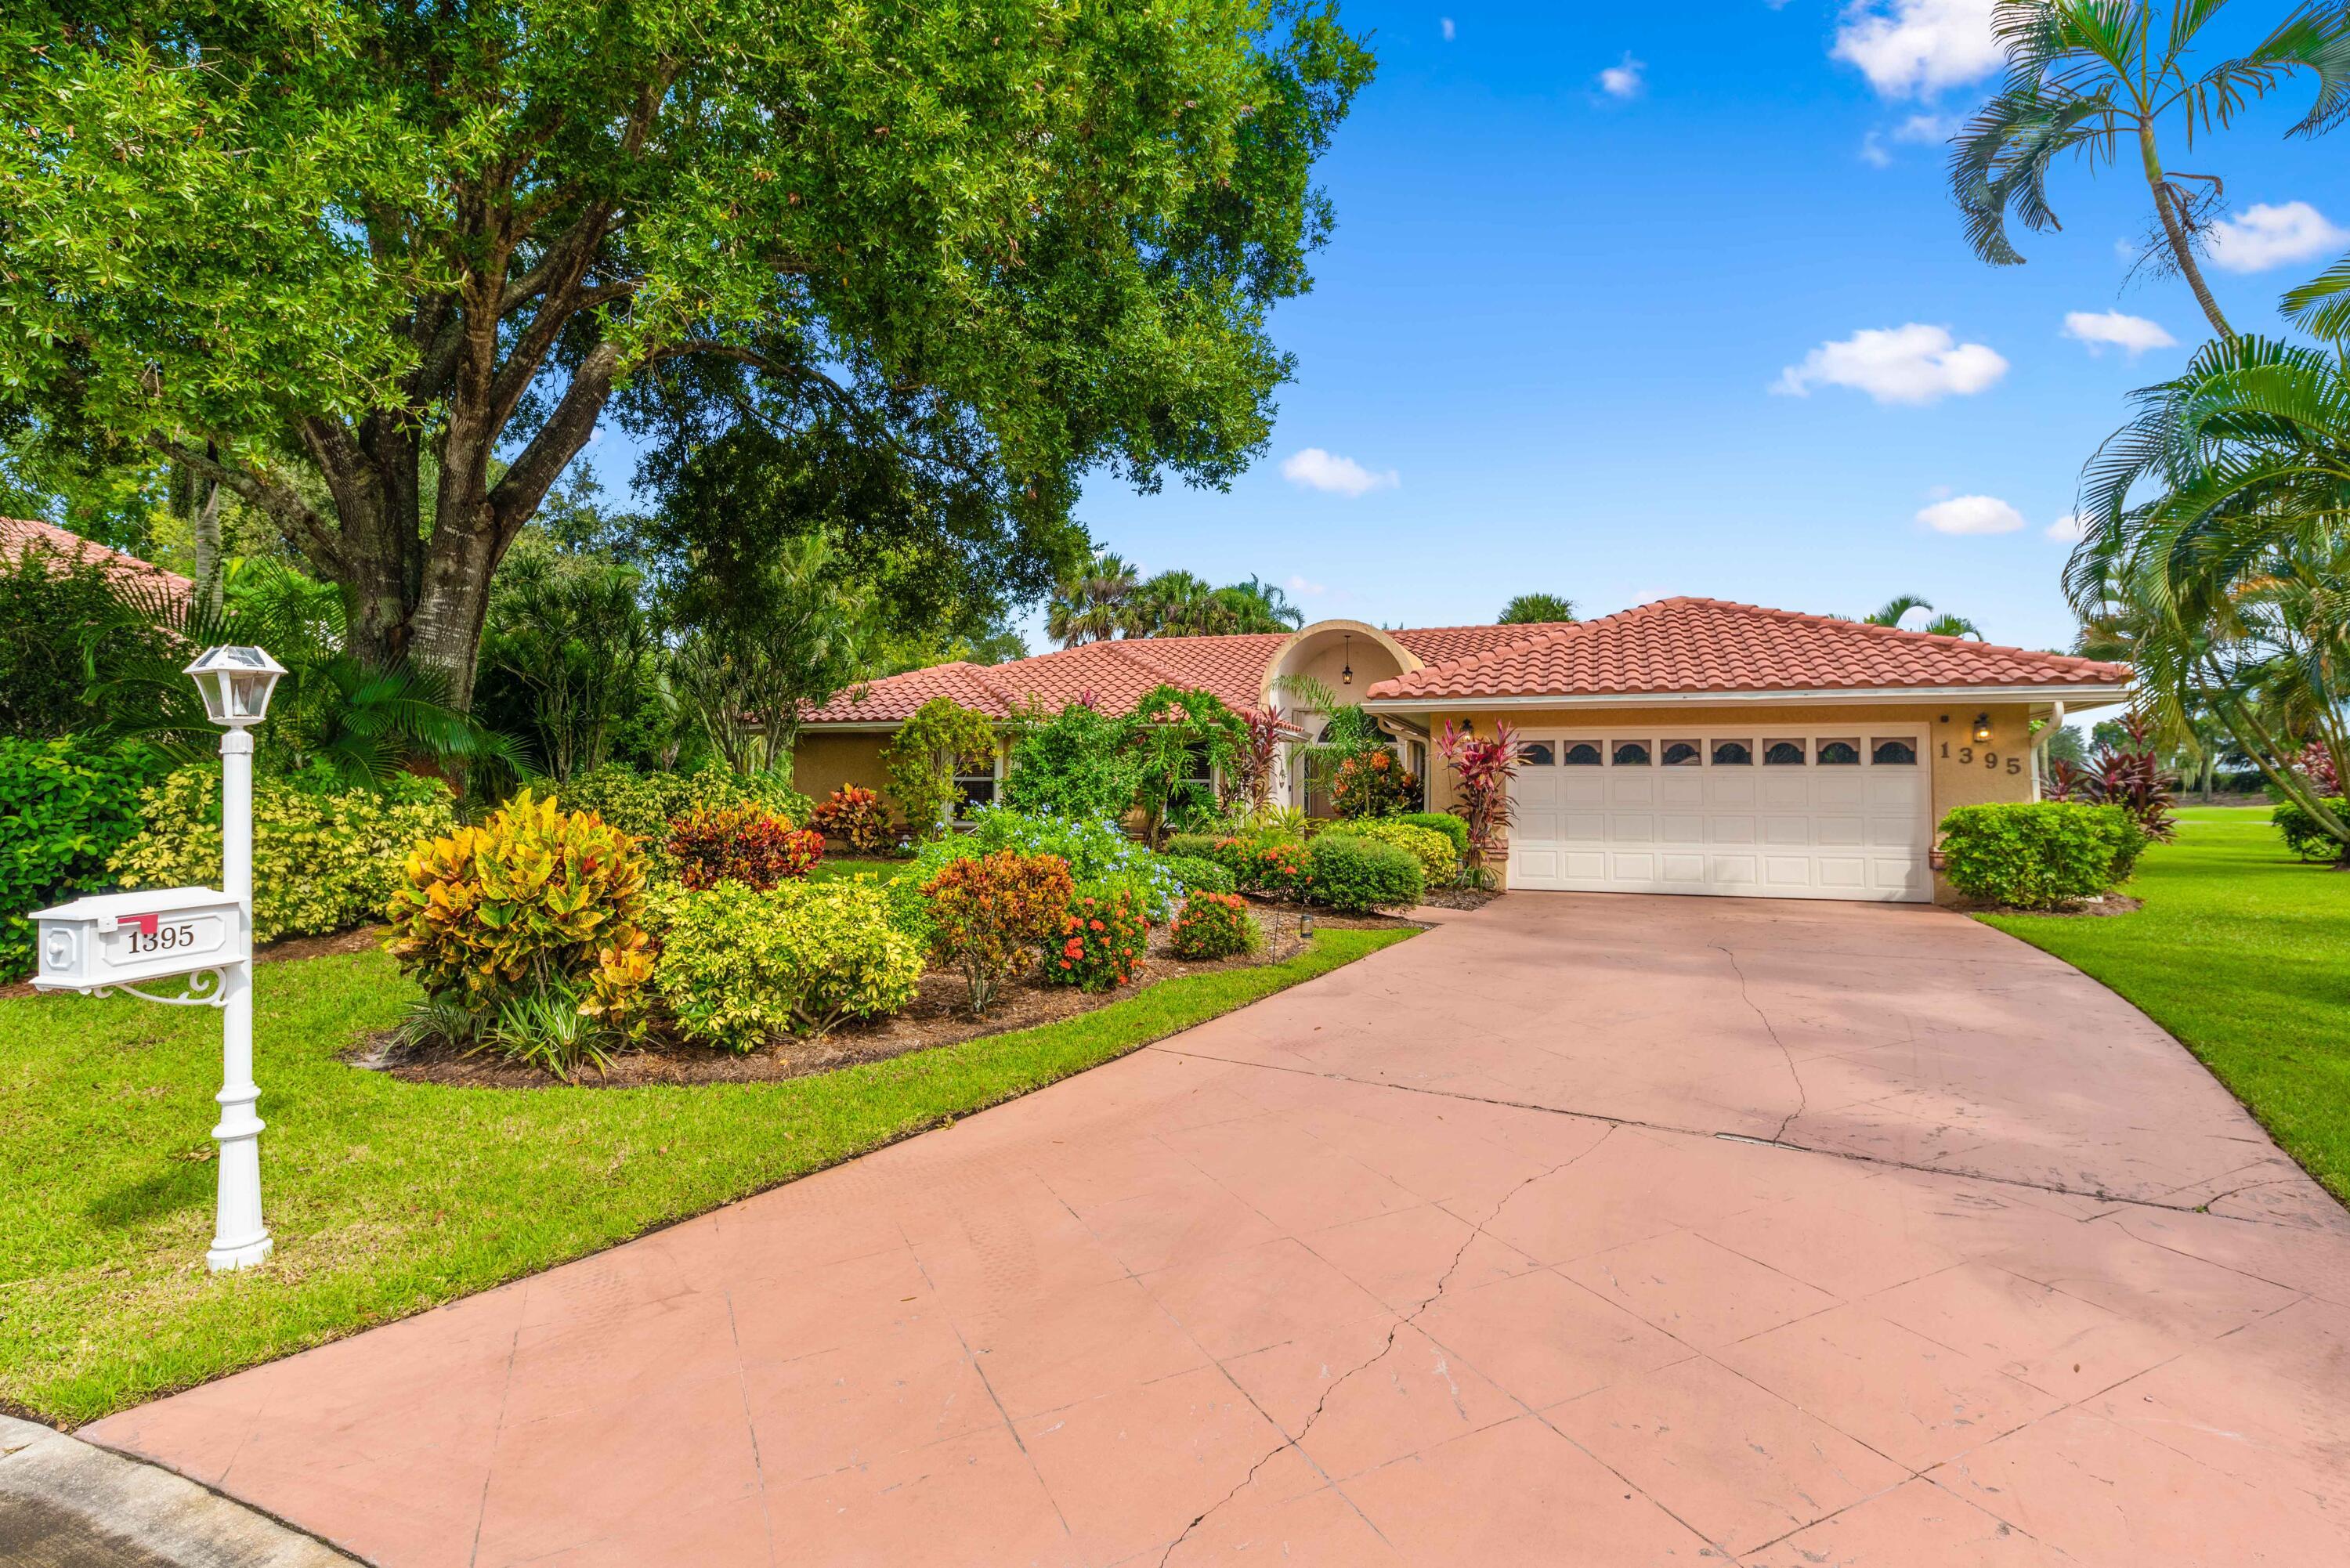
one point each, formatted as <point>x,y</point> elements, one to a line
<point>21,537</point>
<point>1689,745</point>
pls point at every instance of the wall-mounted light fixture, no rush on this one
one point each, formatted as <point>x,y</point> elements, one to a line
<point>1983,727</point>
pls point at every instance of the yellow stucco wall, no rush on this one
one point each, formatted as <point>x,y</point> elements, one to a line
<point>1966,775</point>
<point>821,762</point>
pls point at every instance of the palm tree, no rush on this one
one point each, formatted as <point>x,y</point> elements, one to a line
<point>2096,78</point>
<point>1892,611</point>
<point>2228,579</point>
<point>1535,609</point>
<point>1264,606</point>
<point>1173,604</point>
<point>1089,604</point>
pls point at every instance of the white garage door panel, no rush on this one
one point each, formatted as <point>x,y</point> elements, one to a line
<point>1797,830</point>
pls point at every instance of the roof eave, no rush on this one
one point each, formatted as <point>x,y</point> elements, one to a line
<point>2071,693</point>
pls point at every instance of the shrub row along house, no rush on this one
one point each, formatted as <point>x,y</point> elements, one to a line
<point>1689,745</point>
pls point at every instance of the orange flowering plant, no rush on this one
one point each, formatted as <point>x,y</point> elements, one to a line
<point>989,913</point>
<point>1102,936</point>
<point>1214,926</point>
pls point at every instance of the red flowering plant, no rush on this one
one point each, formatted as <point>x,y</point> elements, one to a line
<point>988,914</point>
<point>1102,936</point>
<point>1280,869</point>
<point>740,844</point>
<point>1214,926</point>
<point>855,816</point>
<point>1481,770</point>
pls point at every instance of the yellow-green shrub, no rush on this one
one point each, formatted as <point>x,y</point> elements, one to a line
<point>642,804</point>
<point>536,896</point>
<point>1433,850</point>
<point>324,859</point>
<point>739,968</point>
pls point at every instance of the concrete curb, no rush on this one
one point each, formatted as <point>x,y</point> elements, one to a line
<point>65,1503</point>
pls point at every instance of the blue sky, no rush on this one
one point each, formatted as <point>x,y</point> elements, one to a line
<point>1554,316</point>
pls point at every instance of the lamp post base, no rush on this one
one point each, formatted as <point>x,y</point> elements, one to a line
<point>221,1259</point>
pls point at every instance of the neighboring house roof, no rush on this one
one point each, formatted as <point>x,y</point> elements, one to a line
<point>1694,645</point>
<point>19,536</point>
<point>1117,672</point>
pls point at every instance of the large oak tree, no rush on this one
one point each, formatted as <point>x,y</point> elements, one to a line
<point>379,266</point>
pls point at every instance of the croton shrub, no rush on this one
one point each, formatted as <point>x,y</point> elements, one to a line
<point>642,804</point>
<point>740,844</point>
<point>855,816</point>
<point>535,900</point>
<point>741,969</point>
<point>990,913</point>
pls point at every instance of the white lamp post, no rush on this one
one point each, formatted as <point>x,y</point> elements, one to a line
<point>237,683</point>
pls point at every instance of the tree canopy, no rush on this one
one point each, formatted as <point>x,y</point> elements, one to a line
<point>380,269</point>
<point>1533,609</point>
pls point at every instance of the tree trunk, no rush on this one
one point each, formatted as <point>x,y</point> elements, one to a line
<point>204,531</point>
<point>2174,230</point>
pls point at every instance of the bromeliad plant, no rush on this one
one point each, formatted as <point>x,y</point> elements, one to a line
<point>988,914</point>
<point>740,844</point>
<point>1481,770</point>
<point>535,900</point>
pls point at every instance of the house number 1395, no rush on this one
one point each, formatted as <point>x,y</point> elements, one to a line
<point>1991,760</point>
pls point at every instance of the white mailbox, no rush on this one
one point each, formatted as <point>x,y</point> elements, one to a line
<point>125,939</point>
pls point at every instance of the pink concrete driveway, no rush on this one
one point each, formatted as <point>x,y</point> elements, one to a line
<point>1584,1230</point>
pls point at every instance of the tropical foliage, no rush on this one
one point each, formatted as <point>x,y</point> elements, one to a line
<point>2039,854</point>
<point>1356,876</point>
<point>1481,770</point>
<point>920,760</point>
<point>2101,80</point>
<point>1075,763</point>
<point>1106,597</point>
<point>381,270</point>
<point>2218,534</point>
<point>856,815</point>
<point>66,806</point>
<point>1531,610</point>
<point>326,855</point>
<point>741,969</point>
<point>989,913</point>
<point>1214,926</point>
<point>1102,936</point>
<point>740,844</point>
<point>1894,611</point>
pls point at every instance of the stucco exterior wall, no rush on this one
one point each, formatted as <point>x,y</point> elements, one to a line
<point>1964,771</point>
<point>822,763</point>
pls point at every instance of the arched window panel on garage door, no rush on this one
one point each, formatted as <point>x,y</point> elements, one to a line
<point>1840,751</point>
<point>1783,755</point>
<point>1732,753</point>
<point>1683,755</point>
<point>1629,753</point>
<point>1892,752</point>
<point>1537,753</point>
<point>1583,754</point>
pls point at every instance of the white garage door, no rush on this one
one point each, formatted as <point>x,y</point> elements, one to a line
<point>1762,813</point>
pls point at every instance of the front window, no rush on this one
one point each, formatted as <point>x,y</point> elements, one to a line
<point>977,788</point>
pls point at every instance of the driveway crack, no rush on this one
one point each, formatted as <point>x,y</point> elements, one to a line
<point>1803,1098</point>
<point>1395,1329</point>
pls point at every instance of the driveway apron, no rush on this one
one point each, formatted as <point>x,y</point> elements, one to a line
<point>1580,1230</point>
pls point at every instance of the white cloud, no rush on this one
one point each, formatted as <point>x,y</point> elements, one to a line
<point>1928,128</point>
<point>1318,470</point>
<point>1907,49</point>
<point>2068,529</point>
<point>1298,585</point>
<point>1909,364</point>
<point>1872,150</point>
<point>1448,29</point>
<point>1971,514</point>
<point>2133,335</point>
<point>2267,237</point>
<point>1624,80</point>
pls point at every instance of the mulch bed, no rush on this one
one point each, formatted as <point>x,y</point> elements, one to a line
<point>2104,904</point>
<point>939,1015</point>
<point>1461,898</point>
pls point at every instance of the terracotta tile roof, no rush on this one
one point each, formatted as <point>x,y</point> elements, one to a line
<point>1439,644</point>
<point>1712,645</point>
<point>20,534</point>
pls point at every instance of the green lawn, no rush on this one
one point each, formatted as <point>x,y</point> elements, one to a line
<point>839,870</point>
<point>2243,953</point>
<point>388,1197</point>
